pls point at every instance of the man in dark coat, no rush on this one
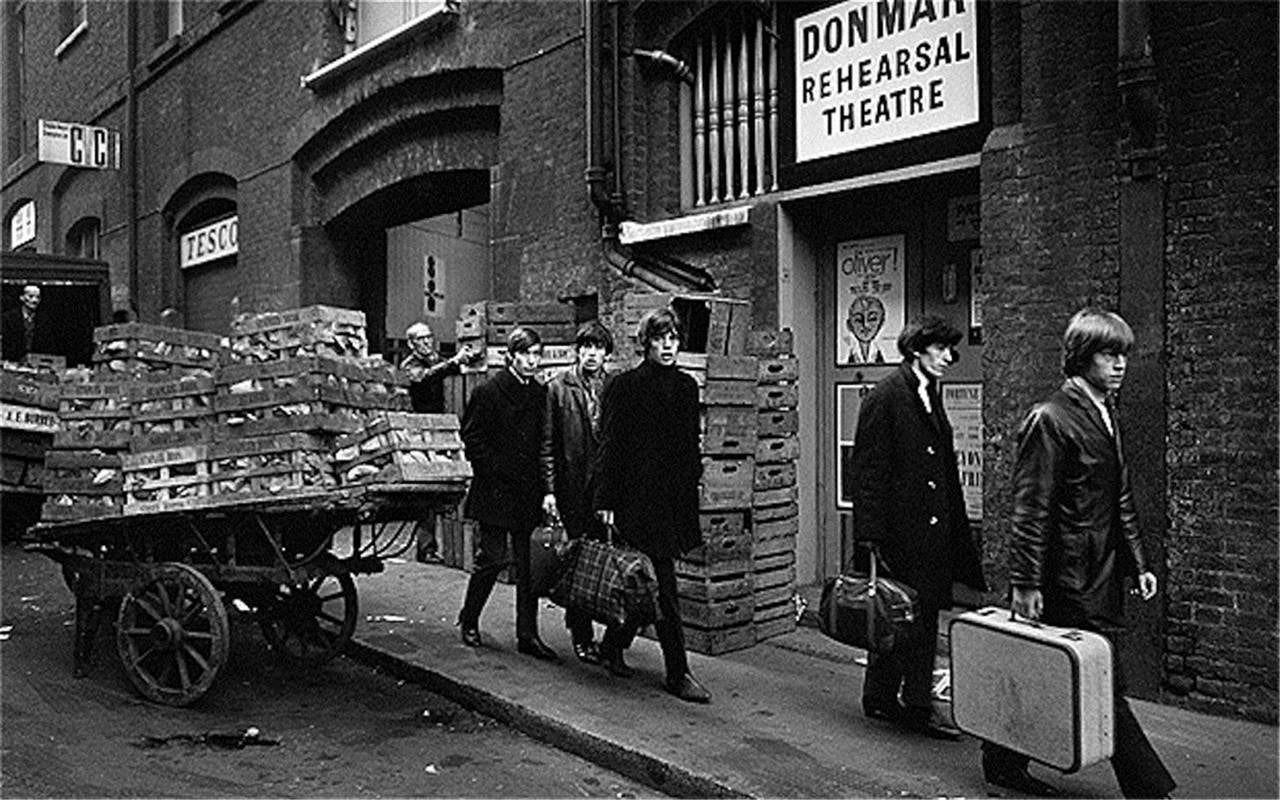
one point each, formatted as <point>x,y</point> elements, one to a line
<point>25,330</point>
<point>1076,537</point>
<point>646,484</point>
<point>569,440</point>
<point>908,502</point>
<point>502,431</point>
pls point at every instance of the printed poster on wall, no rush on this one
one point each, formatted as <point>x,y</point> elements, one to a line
<point>870,299</point>
<point>963,402</point>
<point>848,402</point>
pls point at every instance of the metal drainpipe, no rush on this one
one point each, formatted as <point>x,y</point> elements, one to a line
<point>131,174</point>
<point>595,172</point>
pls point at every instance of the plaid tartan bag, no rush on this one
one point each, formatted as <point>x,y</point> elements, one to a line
<point>613,584</point>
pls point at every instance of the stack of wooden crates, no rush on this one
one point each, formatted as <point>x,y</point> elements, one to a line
<point>150,387</point>
<point>738,587</point>
<point>28,421</point>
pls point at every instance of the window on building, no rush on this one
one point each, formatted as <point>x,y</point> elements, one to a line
<point>21,226</point>
<point>376,17</point>
<point>729,117</point>
<point>82,239</point>
<point>168,20</point>
<point>15,59</point>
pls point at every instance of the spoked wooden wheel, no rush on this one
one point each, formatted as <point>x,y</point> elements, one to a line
<point>172,634</point>
<point>309,622</point>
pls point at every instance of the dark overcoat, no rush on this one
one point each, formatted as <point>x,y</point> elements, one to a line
<point>502,431</point>
<point>13,335</point>
<point>906,490</point>
<point>647,467</point>
<point>569,443</point>
<point>1075,527</point>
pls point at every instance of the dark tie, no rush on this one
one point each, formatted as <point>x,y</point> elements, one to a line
<point>1112,412</point>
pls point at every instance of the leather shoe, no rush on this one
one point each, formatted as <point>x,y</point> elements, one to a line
<point>887,711</point>
<point>1019,782</point>
<point>689,690</point>
<point>587,652</point>
<point>617,667</point>
<point>470,635</point>
<point>927,723</point>
<point>535,647</point>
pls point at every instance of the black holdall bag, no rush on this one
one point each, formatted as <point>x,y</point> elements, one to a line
<point>549,557</point>
<point>868,611</point>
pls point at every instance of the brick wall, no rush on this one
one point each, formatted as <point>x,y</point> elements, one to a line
<point>1216,66</point>
<point>1049,191</point>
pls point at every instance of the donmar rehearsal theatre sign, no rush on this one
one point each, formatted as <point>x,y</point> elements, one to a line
<point>870,72</point>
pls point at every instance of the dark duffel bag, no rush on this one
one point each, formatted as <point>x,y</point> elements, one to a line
<point>868,611</point>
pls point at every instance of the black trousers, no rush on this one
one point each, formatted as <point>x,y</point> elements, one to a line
<point>1137,765</point>
<point>909,667</point>
<point>491,558</point>
<point>669,628</point>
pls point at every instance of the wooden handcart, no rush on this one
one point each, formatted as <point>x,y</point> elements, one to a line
<point>168,576</point>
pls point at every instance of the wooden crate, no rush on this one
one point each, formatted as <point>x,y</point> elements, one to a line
<point>289,464</point>
<point>136,346</point>
<point>777,396</point>
<point>714,582</point>
<point>316,330</point>
<point>496,333</point>
<point>728,431</point>
<point>721,392</point>
<point>713,642</point>
<point>770,513</point>
<point>777,369</point>
<point>777,451</point>
<point>326,409</point>
<point>717,614</point>
<point>529,313</point>
<point>27,388</point>
<point>770,498</point>
<point>773,423</point>
<point>772,529</point>
<point>400,447</point>
<point>177,478</point>
<point>766,342</point>
<point>171,413</point>
<point>774,476</point>
<point>724,539</point>
<point>726,483</point>
<point>731,367</point>
<point>94,415</point>
<point>772,621</point>
<point>457,541</point>
<point>780,547</point>
<point>81,484</point>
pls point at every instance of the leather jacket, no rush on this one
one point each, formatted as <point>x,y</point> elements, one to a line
<point>1075,528</point>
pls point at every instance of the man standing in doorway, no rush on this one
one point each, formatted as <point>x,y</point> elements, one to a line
<point>908,502</point>
<point>24,329</point>
<point>1076,537</point>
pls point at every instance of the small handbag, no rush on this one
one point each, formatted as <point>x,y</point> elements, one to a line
<point>548,557</point>
<point>868,611</point>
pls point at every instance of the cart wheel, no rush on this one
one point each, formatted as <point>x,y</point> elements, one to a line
<point>172,634</point>
<point>310,622</point>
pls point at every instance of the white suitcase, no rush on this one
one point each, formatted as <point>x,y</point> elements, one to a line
<point>1041,691</point>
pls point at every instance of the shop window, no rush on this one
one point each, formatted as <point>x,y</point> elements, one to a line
<point>73,20</point>
<point>377,17</point>
<point>729,117</point>
<point>82,239</point>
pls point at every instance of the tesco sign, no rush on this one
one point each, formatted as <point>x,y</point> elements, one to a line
<point>213,241</point>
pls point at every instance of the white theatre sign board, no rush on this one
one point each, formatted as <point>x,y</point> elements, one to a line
<point>871,72</point>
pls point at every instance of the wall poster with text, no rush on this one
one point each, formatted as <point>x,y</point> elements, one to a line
<point>870,299</point>
<point>963,403</point>
<point>848,402</point>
